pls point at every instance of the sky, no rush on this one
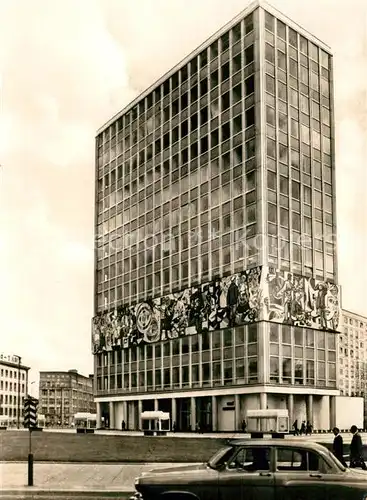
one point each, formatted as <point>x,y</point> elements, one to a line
<point>66,67</point>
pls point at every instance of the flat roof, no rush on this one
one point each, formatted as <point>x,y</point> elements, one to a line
<point>356,315</point>
<point>62,372</point>
<point>10,364</point>
<point>250,8</point>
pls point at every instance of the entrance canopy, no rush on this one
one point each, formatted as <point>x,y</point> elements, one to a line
<point>154,415</point>
<point>266,413</point>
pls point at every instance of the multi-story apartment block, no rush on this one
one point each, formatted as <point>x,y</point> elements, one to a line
<point>13,388</point>
<point>215,269</point>
<point>63,394</point>
<point>353,355</point>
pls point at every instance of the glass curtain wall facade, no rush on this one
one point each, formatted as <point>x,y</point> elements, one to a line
<point>180,178</point>
<point>299,159</point>
<point>213,187</point>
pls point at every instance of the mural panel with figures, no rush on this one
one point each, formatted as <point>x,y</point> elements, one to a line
<point>258,294</point>
<point>230,301</point>
<point>300,301</point>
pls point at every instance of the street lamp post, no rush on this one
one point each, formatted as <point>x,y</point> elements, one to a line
<point>61,407</point>
<point>18,408</point>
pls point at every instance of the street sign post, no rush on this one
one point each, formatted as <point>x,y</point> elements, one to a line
<point>30,421</point>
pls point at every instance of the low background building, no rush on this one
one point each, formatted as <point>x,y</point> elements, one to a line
<point>13,388</point>
<point>353,357</point>
<point>64,393</point>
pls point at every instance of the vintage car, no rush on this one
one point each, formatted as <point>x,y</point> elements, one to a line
<point>254,469</point>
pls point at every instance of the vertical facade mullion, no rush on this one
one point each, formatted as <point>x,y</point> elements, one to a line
<point>260,97</point>
<point>130,387</point>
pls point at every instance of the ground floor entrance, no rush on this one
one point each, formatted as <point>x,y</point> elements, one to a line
<point>217,413</point>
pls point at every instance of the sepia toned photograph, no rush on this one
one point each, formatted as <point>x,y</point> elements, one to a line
<point>182,250</point>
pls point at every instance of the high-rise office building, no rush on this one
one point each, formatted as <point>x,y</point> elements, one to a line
<point>215,270</point>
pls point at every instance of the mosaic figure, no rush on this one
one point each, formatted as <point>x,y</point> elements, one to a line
<point>147,322</point>
<point>255,294</point>
<point>334,306</point>
<point>320,304</point>
<point>195,310</point>
<point>300,301</point>
<point>233,295</point>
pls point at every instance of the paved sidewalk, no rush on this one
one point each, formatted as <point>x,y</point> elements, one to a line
<point>54,476</point>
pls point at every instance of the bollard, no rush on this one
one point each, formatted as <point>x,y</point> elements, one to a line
<point>30,469</point>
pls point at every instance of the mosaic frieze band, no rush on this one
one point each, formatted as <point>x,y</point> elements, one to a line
<point>257,294</point>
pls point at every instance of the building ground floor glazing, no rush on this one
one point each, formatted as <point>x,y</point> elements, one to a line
<point>257,353</point>
<point>220,410</point>
<point>213,378</point>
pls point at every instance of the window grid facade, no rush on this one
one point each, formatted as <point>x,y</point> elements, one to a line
<point>172,187</point>
<point>63,394</point>
<point>225,165</point>
<point>13,389</point>
<point>353,355</point>
<point>297,356</point>
<point>298,87</point>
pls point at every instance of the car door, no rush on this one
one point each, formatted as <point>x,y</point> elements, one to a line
<point>299,474</point>
<point>248,475</point>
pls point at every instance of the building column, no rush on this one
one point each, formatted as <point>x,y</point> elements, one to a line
<point>332,412</point>
<point>140,411</point>
<point>214,413</point>
<point>156,405</point>
<point>112,415</point>
<point>291,410</point>
<point>99,419</point>
<point>310,409</point>
<point>263,357</point>
<point>263,400</point>
<point>174,413</point>
<point>193,413</point>
<point>263,406</point>
<point>237,412</point>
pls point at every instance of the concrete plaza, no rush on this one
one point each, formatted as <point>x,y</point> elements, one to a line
<point>68,480</point>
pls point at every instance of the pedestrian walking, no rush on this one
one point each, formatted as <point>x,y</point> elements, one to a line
<point>309,428</point>
<point>338,446</point>
<point>244,426</point>
<point>295,427</point>
<point>356,450</point>
<point>303,428</point>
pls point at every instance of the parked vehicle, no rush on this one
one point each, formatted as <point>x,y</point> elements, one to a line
<point>258,469</point>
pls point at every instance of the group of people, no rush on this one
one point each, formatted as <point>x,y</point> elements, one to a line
<point>306,428</point>
<point>356,448</point>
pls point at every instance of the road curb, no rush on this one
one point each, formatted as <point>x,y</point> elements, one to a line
<point>34,492</point>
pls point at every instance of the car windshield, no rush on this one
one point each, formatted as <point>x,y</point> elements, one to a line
<point>220,457</point>
<point>334,459</point>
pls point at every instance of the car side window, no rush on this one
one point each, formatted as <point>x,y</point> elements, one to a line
<point>290,459</point>
<point>251,459</point>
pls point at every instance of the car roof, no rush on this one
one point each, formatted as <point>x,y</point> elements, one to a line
<point>289,443</point>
